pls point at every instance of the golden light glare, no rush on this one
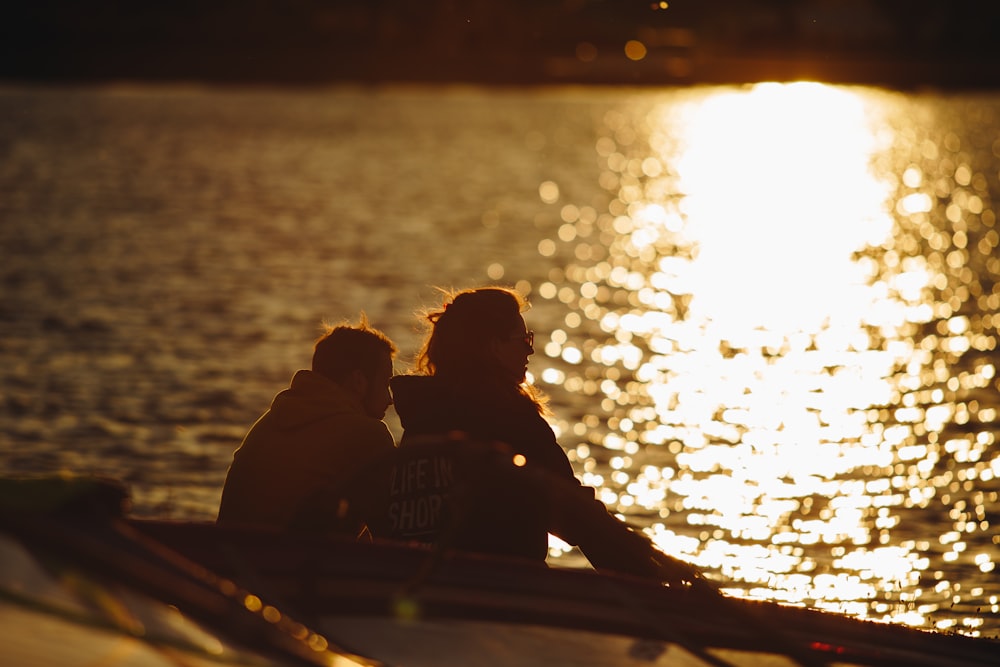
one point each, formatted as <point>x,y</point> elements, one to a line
<point>775,324</point>
<point>549,192</point>
<point>793,161</point>
<point>635,50</point>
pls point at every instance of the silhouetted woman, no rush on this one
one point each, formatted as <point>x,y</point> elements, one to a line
<point>470,392</point>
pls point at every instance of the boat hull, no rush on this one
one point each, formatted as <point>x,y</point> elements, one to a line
<point>417,606</point>
<point>81,583</point>
<point>80,586</point>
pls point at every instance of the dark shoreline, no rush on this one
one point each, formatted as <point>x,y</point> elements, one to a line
<point>898,74</point>
<point>903,46</point>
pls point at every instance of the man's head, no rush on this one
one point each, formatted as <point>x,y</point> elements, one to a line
<point>358,358</point>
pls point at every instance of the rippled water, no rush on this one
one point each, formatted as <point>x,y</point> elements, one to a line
<point>766,317</point>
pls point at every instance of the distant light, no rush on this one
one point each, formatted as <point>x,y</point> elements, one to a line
<point>406,609</point>
<point>317,643</point>
<point>635,50</point>
<point>549,192</point>
<point>586,52</point>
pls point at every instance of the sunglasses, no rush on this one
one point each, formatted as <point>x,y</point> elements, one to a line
<point>528,337</point>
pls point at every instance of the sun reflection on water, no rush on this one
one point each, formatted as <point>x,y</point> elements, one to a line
<point>784,316</point>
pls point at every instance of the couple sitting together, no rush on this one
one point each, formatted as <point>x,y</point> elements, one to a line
<point>477,469</point>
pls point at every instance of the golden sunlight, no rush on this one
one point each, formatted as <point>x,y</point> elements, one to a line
<point>788,354</point>
<point>778,194</point>
<point>771,372</point>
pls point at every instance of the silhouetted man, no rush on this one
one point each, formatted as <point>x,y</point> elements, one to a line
<point>317,434</point>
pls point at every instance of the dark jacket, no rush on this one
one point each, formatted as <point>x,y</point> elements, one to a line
<point>314,436</point>
<point>428,406</point>
<point>479,469</point>
<point>503,509</point>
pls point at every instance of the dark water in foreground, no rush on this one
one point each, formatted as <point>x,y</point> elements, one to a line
<point>767,317</point>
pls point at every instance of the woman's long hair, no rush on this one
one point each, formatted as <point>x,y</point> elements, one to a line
<point>462,331</point>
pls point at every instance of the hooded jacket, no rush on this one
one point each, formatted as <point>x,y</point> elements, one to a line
<point>466,493</point>
<point>427,405</point>
<point>314,436</point>
<point>515,509</point>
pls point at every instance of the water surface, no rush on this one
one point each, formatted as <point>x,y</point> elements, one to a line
<point>766,316</point>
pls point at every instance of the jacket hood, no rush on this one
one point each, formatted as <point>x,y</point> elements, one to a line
<point>421,400</point>
<point>428,404</point>
<point>312,397</point>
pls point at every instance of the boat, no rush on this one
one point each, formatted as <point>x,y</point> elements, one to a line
<point>79,587</point>
<point>388,603</point>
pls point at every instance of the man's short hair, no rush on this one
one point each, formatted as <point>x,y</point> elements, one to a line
<point>345,348</point>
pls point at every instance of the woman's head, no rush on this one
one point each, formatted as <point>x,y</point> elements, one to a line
<point>478,334</point>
